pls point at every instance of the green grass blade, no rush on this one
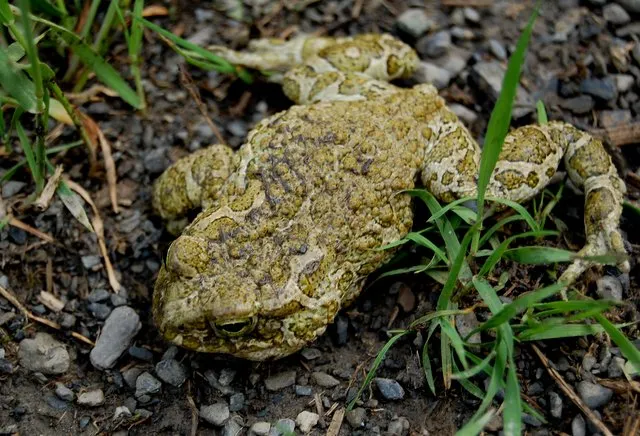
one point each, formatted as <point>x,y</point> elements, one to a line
<point>16,83</point>
<point>497,226</point>
<point>376,364</point>
<point>446,208</point>
<point>537,255</point>
<point>426,367</point>
<point>6,17</point>
<point>509,311</point>
<point>628,349</point>
<point>512,415</point>
<point>476,369</point>
<point>557,331</point>
<point>542,113</point>
<point>501,115</point>
<point>105,72</point>
<point>522,211</point>
<point>424,242</point>
<point>474,427</point>
<point>47,8</point>
<point>28,153</point>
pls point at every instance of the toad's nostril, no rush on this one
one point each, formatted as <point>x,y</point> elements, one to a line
<point>187,256</point>
<point>233,328</point>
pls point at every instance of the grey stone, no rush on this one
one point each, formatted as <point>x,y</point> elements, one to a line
<point>141,353</point>
<point>531,420</point>
<point>170,353</point>
<point>615,14</point>
<point>99,311</point>
<point>471,15</point>
<point>236,402</point>
<point>356,417</point>
<point>6,367</point>
<point>282,427</point>
<point>67,320</point>
<point>64,393</point>
<point>624,82</point>
<point>630,5</point>
<point>462,33</point>
<point>588,361</point>
<point>215,414</point>
<point>121,412</point>
<point>433,74</point>
<point>613,118</point>
<point>325,380</point>
<point>616,367</point>
<point>90,261</point>
<point>497,49</point>
<point>609,288</point>
<point>398,427</point>
<point>117,333</point>
<point>604,89</point>
<point>147,384</point>
<point>280,381</point>
<point>238,128</point>
<point>226,376</point>
<point>578,105</point>
<point>11,188</point>
<point>55,403</point>
<point>414,22</point>
<point>131,375</point>
<point>43,354</point>
<point>435,45</point>
<point>535,388</point>
<point>98,295</point>
<point>172,372</point>
<point>465,114</point>
<point>389,388</point>
<point>155,160</point>
<point>303,391</point>
<point>489,77</point>
<point>594,395</point>
<point>555,405</point>
<point>232,428</point>
<point>311,353</point>
<point>261,428</point>
<point>118,300</point>
<point>306,420</point>
<point>91,398</point>
<point>465,325</point>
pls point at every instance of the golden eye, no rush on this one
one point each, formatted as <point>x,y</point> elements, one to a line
<point>235,327</point>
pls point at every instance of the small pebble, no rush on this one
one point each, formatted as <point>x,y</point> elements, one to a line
<point>465,324</point>
<point>121,412</point>
<point>236,402</point>
<point>603,89</point>
<point>398,427</point>
<point>226,376</point>
<point>5,366</point>
<point>91,398</point>
<point>389,388</point>
<point>615,368</point>
<point>90,261</point>
<point>555,405</point>
<point>624,82</point>
<point>588,361</point>
<point>131,375</point>
<point>414,22</point>
<point>141,353</point>
<point>578,105</point>
<point>465,114</point>
<point>594,395</point>
<point>306,420</point>
<point>284,426</point>
<point>232,428</point>
<point>435,45</point>
<point>280,381</point>
<point>11,188</point>
<point>147,384</point>
<point>615,14</point>
<point>117,333</point>
<point>497,49</point>
<point>98,295</point>
<point>471,15</point>
<point>44,354</point>
<point>260,429</point>
<point>356,417</point>
<point>99,311</point>
<point>64,393</point>
<point>215,414</point>
<point>171,371</point>
<point>433,74</point>
<point>311,353</point>
<point>303,391</point>
<point>324,380</point>
<point>578,426</point>
<point>56,403</point>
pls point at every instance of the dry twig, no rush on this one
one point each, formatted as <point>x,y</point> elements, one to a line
<point>336,422</point>
<point>27,314</point>
<point>187,82</point>
<point>98,227</point>
<point>15,222</point>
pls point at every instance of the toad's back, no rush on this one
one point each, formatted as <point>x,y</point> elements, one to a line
<point>313,195</point>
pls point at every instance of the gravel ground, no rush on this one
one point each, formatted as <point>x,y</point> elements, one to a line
<point>584,63</point>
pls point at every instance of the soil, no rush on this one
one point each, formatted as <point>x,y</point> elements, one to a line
<point>144,144</point>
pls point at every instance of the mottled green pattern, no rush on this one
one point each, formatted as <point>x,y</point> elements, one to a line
<point>291,222</point>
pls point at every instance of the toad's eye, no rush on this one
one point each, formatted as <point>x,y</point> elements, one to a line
<point>235,327</point>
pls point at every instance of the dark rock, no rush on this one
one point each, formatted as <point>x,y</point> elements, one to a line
<point>141,353</point>
<point>236,402</point>
<point>64,393</point>
<point>100,311</point>
<point>146,384</point>
<point>44,354</point>
<point>324,380</point>
<point>603,89</point>
<point>594,395</point>
<point>171,371</point>
<point>435,45</point>
<point>356,417</point>
<point>215,414</point>
<point>389,388</point>
<point>578,105</point>
<point>303,391</point>
<point>280,381</point>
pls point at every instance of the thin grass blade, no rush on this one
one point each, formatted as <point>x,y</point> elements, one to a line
<point>629,350</point>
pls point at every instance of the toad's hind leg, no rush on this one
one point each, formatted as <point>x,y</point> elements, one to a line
<point>191,183</point>
<point>530,157</point>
